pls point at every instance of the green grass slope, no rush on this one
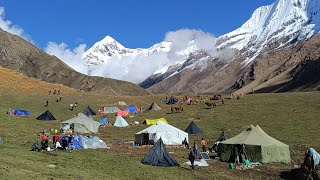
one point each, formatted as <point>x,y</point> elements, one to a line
<point>292,118</point>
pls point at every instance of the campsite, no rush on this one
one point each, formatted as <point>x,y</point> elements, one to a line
<point>292,118</point>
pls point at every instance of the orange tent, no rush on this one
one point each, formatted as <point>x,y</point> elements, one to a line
<point>123,113</point>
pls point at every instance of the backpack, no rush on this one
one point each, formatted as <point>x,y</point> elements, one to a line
<point>35,147</point>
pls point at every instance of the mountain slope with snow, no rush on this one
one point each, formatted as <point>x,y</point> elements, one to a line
<point>283,22</point>
<point>109,58</point>
<point>271,28</point>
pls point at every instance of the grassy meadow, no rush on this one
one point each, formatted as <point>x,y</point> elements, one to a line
<point>292,118</point>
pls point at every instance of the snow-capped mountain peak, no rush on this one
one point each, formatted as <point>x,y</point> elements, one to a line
<point>279,25</point>
<point>284,21</point>
<point>108,40</point>
<point>103,50</point>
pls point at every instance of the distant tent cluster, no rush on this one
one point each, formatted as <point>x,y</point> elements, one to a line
<point>252,144</point>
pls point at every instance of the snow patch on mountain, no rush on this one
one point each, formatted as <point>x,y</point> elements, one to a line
<point>109,58</point>
<point>291,20</point>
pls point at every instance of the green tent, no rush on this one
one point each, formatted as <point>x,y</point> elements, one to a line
<point>256,145</point>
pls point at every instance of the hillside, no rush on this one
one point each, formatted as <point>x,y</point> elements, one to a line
<point>16,83</point>
<point>288,117</point>
<point>277,47</point>
<point>287,69</point>
<point>21,56</point>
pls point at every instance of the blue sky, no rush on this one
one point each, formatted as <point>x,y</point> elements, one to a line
<point>134,23</point>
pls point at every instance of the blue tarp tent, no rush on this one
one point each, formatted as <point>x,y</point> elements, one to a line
<point>104,121</point>
<point>76,142</point>
<point>132,109</point>
<point>20,112</point>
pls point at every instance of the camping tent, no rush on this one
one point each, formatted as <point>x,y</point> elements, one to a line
<point>20,112</point>
<point>159,156</point>
<point>120,122</point>
<point>103,121</point>
<point>107,110</point>
<point>46,116</point>
<point>189,101</point>
<point>122,113</point>
<point>172,100</point>
<point>122,103</point>
<point>257,145</point>
<point>193,129</point>
<point>154,107</point>
<point>169,134</point>
<point>132,109</point>
<point>89,112</point>
<point>81,124</point>
<point>154,121</point>
<point>222,137</point>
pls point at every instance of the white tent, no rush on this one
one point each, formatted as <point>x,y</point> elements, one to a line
<point>107,110</point>
<point>120,122</point>
<point>81,124</point>
<point>122,103</point>
<point>170,135</point>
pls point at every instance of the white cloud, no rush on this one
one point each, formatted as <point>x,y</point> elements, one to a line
<point>183,38</point>
<point>72,58</point>
<point>8,26</point>
<point>133,69</point>
<point>138,68</point>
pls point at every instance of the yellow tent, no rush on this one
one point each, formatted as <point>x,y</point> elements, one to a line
<point>154,121</point>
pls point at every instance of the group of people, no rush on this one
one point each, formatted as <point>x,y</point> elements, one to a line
<point>59,143</point>
<point>193,155</point>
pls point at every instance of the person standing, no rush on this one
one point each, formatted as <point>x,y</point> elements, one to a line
<point>195,149</point>
<point>203,144</point>
<point>44,140</point>
<point>191,159</point>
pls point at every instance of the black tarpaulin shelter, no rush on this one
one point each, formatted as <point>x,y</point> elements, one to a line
<point>193,128</point>
<point>46,116</point>
<point>222,137</point>
<point>89,112</point>
<point>159,156</point>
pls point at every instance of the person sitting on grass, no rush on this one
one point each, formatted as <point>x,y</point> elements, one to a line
<point>185,143</point>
